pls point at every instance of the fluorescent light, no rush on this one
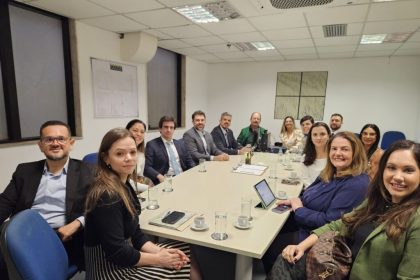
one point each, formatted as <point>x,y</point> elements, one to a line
<point>210,12</point>
<point>373,39</point>
<point>263,46</point>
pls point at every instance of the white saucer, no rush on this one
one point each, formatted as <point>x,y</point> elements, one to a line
<point>293,179</point>
<point>206,227</point>
<point>235,224</point>
<point>288,169</point>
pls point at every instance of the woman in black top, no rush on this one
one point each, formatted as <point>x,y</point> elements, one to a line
<point>115,247</point>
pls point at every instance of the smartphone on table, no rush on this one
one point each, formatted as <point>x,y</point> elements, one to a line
<point>281,208</point>
<point>173,217</point>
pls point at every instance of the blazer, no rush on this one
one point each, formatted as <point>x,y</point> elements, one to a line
<point>246,137</point>
<point>378,258</point>
<point>157,159</point>
<point>21,191</point>
<point>196,146</point>
<point>220,141</point>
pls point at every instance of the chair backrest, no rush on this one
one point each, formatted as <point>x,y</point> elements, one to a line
<point>91,158</point>
<point>390,137</point>
<point>32,249</point>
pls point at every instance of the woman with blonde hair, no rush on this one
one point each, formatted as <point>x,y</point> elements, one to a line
<point>290,136</point>
<point>115,246</point>
<point>383,233</point>
<point>340,187</point>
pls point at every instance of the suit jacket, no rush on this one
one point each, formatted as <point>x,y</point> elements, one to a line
<point>378,258</point>
<point>220,141</point>
<point>20,195</point>
<point>157,159</point>
<point>196,146</point>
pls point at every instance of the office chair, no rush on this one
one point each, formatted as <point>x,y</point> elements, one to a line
<point>32,250</point>
<point>91,158</point>
<point>390,137</point>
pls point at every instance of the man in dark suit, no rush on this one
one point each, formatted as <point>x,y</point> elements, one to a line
<point>224,139</point>
<point>200,143</point>
<point>55,187</point>
<point>165,155</point>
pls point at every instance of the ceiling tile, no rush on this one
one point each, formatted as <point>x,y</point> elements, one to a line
<point>336,49</point>
<point>373,53</point>
<point>298,51</point>
<point>394,10</point>
<point>244,37</point>
<point>415,37</point>
<point>190,51</point>
<point>391,26</point>
<point>248,59</point>
<point>410,45</point>
<point>160,18</point>
<point>408,52</point>
<point>116,23</point>
<point>219,48</point>
<point>334,41</point>
<point>236,54</point>
<point>189,31</point>
<point>176,3</point>
<point>172,44</point>
<point>76,9</point>
<point>269,58</point>
<point>229,26</point>
<point>352,29</point>
<point>278,21</point>
<point>337,15</point>
<point>262,53</point>
<point>302,43</point>
<point>125,6</point>
<point>158,34</point>
<point>300,56</point>
<point>287,34</point>
<point>384,46</point>
<point>201,41</point>
<point>336,55</point>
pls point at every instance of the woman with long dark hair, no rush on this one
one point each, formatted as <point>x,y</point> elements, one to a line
<point>370,136</point>
<point>384,232</point>
<point>115,246</point>
<point>316,153</point>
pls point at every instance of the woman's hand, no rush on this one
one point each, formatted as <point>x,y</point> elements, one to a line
<point>292,253</point>
<point>172,258</point>
<point>296,203</point>
<point>284,202</point>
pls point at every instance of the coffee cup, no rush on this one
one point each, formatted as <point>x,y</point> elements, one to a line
<point>293,175</point>
<point>281,195</point>
<point>243,221</point>
<point>199,222</point>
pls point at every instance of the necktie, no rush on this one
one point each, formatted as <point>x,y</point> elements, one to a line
<point>226,138</point>
<point>175,165</point>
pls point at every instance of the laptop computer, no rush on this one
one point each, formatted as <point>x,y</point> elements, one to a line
<point>265,194</point>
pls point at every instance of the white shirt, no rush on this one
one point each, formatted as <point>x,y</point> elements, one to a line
<point>311,172</point>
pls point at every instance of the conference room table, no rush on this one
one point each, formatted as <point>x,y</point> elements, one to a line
<point>220,189</point>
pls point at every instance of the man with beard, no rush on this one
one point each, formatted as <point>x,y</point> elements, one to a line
<point>54,187</point>
<point>252,134</point>
<point>336,121</point>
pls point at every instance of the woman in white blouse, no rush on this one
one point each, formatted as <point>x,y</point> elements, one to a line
<point>138,129</point>
<point>315,152</point>
<point>290,136</point>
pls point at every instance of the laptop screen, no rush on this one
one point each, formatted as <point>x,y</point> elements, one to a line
<point>265,193</point>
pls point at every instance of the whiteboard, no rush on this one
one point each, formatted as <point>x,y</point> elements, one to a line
<point>114,89</point>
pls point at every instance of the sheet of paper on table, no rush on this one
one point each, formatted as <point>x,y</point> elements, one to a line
<point>251,169</point>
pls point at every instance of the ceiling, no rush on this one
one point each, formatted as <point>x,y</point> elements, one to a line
<point>295,33</point>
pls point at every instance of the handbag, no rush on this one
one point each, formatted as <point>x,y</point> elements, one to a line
<point>330,258</point>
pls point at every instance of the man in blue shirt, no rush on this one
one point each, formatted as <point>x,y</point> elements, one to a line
<point>55,187</point>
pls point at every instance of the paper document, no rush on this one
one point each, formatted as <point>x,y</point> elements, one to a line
<point>157,220</point>
<point>251,169</point>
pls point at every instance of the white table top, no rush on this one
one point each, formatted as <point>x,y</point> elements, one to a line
<point>221,189</point>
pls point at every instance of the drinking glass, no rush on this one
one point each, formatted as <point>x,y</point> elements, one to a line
<point>246,207</point>
<point>167,183</point>
<point>202,165</point>
<point>220,226</point>
<point>152,194</point>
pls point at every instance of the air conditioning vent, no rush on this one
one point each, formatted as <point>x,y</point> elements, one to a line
<point>335,30</point>
<point>289,4</point>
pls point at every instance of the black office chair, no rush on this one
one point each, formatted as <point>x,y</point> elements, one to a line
<point>91,158</point>
<point>32,250</point>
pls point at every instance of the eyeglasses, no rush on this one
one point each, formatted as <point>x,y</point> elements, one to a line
<point>51,140</point>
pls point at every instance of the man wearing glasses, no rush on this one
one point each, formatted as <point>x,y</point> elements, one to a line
<point>55,187</point>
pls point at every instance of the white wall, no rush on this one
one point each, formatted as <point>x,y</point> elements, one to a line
<point>369,90</point>
<point>94,42</point>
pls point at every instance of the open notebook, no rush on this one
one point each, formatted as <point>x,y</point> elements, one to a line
<point>179,225</point>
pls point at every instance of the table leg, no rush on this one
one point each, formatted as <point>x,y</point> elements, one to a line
<point>243,270</point>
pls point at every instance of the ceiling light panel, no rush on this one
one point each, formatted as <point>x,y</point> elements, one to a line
<point>210,12</point>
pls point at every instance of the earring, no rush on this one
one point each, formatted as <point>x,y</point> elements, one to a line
<point>108,165</point>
